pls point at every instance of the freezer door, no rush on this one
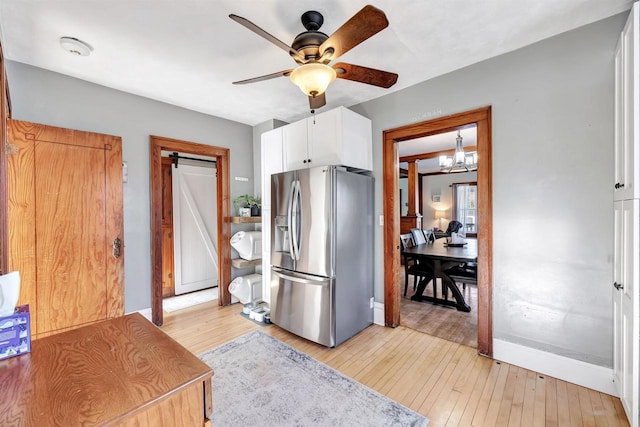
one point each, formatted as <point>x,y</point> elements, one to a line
<point>304,305</point>
<point>314,227</point>
<point>283,212</point>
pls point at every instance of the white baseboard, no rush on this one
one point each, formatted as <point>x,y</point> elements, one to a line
<point>574,371</point>
<point>378,313</point>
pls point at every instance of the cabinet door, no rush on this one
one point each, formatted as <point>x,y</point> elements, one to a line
<point>626,354</point>
<point>629,309</point>
<point>340,137</point>
<point>324,138</point>
<point>618,267</point>
<point>65,194</point>
<point>356,143</point>
<point>619,151</point>
<point>294,140</point>
<point>272,162</point>
<point>627,124</point>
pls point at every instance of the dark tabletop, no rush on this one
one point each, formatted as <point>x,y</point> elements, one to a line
<point>440,251</point>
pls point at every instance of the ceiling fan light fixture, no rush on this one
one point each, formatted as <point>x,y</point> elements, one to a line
<point>313,79</point>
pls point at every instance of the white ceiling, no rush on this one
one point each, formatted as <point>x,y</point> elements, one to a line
<point>435,143</point>
<point>187,52</point>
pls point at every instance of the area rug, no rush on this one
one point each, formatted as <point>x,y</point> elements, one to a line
<point>259,380</point>
<point>188,300</point>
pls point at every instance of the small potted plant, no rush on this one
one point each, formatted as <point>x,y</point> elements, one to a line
<point>247,205</point>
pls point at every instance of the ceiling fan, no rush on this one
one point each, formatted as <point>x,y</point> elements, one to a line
<point>314,50</point>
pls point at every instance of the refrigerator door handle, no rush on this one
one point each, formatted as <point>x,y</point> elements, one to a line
<point>295,231</point>
<point>299,279</point>
<point>292,192</point>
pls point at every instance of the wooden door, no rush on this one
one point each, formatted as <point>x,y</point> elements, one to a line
<point>65,217</point>
<point>195,223</point>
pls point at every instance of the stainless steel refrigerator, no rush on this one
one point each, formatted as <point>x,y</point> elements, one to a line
<point>322,253</point>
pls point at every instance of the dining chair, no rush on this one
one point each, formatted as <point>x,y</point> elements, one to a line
<point>411,265</point>
<point>418,236</point>
<point>466,273</point>
<point>453,227</point>
<point>429,235</point>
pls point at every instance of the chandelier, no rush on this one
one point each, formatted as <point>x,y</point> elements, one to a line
<point>460,161</point>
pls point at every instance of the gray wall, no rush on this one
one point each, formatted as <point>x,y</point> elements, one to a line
<point>441,185</point>
<point>45,97</point>
<point>552,105</point>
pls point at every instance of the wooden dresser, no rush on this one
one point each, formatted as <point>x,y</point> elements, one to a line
<point>122,371</point>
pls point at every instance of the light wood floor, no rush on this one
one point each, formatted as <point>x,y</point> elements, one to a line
<point>441,321</point>
<point>447,382</point>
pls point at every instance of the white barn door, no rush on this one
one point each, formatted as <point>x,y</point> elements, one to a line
<point>195,219</point>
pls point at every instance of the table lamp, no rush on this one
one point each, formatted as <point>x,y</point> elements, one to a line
<point>439,214</point>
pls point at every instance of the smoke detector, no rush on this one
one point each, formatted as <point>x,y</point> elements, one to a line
<point>75,46</point>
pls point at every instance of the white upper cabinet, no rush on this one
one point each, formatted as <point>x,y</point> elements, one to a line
<point>335,137</point>
<point>271,160</point>
<point>294,145</point>
<point>627,108</point>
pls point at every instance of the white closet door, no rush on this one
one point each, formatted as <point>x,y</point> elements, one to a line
<point>195,228</point>
<point>629,307</point>
<point>626,298</point>
<point>618,267</point>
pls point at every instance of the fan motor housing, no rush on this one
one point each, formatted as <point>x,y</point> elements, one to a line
<point>307,44</point>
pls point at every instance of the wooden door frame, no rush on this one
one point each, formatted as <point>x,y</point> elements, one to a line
<point>5,114</point>
<point>157,145</point>
<point>481,117</point>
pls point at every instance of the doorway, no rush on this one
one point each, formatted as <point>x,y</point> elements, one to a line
<point>195,216</point>
<point>223,227</point>
<point>391,138</point>
<point>444,195</point>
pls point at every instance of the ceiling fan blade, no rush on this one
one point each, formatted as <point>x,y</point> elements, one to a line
<point>361,74</point>
<point>262,33</point>
<point>364,24</point>
<point>283,73</point>
<point>317,101</point>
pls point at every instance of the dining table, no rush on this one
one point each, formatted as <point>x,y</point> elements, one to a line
<point>440,256</point>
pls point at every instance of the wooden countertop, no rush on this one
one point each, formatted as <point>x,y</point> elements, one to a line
<point>97,374</point>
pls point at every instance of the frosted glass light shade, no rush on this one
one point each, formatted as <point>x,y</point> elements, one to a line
<point>313,79</point>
